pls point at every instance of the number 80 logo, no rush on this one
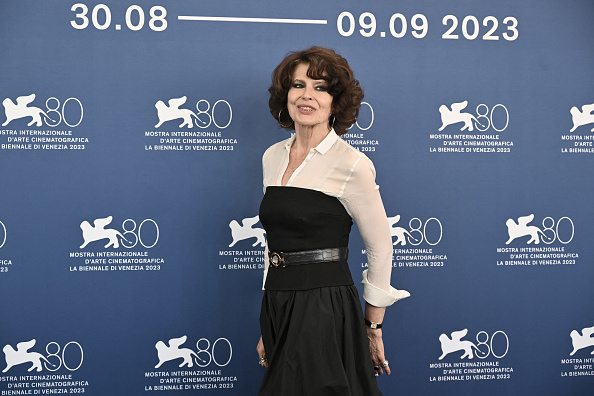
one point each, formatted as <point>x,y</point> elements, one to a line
<point>131,231</point>
<point>60,358</point>
<point>58,110</point>
<point>419,233</point>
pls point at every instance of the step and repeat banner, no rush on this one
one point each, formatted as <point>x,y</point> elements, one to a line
<point>131,251</point>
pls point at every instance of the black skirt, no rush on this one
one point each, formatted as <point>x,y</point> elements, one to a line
<point>318,344</point>
<point>311,318</point>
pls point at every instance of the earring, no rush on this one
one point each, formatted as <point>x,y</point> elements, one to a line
<point>280,122</point>
<point>332,123</point>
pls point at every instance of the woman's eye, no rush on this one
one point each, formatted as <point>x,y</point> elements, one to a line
<point>297,85</point>
<point>322,88</point>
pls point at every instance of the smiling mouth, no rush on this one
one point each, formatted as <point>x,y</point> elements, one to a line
<point>306,108</point>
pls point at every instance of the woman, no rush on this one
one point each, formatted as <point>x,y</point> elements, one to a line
<point>314,338</point>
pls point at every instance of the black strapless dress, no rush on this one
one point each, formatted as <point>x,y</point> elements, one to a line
<point>311,318</point>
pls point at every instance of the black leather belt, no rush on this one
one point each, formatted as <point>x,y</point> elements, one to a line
<point>308,256</point>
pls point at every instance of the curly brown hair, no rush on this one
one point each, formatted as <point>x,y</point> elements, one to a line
<point>324,64</point>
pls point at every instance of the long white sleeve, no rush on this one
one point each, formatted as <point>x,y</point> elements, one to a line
<point>363,202</point>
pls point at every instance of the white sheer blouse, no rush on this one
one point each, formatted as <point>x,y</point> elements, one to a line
<point>339,170</point>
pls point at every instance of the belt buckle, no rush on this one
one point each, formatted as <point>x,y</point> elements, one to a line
<point>276,259</point>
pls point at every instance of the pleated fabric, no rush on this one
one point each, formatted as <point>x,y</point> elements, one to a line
<point>316,343</point>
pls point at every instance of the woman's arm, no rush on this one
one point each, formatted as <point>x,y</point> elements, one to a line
<point>376,343</point>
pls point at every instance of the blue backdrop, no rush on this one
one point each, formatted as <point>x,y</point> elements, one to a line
<point>130,172</point>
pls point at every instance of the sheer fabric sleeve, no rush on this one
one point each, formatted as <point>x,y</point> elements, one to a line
<point>362,200</point>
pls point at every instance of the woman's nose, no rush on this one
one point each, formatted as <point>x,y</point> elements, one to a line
<point>307,93</point>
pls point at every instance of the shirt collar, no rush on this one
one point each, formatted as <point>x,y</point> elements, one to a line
<point>328,141</point>
<point>321,148</point>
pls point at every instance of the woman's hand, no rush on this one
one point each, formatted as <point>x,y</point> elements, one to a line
<point>262,353</point>
<point>376,343</point>
<point>376,347</point>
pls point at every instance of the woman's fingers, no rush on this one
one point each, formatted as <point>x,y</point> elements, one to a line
<point>261,353</point>
<point>376,347</point>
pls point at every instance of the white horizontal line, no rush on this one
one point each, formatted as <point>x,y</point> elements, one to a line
<point>258,20</point>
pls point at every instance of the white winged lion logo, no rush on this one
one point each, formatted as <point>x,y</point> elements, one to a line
<point>21,110</point>
<point>520,229</point>
<point>456,343</point>
<point>173,112</point>
<point>246,231</point>
<point>22,355</point>
<point>98,232</point>
<point>583,117</point>
<point>454,116</point>
<point>583,340</point>
<point>400,233</point>
<point>173,351</point>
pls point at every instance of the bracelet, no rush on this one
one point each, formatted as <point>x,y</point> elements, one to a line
<point>373,325</point>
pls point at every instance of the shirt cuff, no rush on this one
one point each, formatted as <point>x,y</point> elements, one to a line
<point>379,297</point>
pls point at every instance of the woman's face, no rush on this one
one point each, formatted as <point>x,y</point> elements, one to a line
<point>308,100</point>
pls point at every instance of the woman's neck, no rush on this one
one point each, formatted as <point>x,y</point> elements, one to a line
<point>308,137</point>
